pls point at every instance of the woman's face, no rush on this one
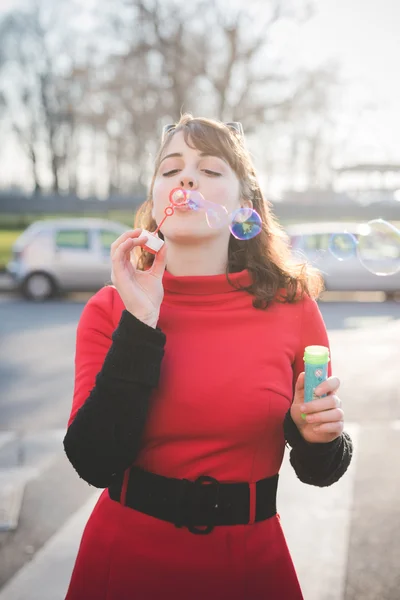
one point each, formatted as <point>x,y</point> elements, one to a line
<point>182,166</point>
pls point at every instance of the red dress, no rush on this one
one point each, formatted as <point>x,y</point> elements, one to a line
<point>226,384</point>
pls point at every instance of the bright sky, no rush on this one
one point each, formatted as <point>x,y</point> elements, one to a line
<point>363,35</point>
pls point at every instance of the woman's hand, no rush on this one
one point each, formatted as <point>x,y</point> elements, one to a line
<point>141,291</point>
<point>324,418</point>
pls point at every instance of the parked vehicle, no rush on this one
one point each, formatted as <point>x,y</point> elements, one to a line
<point>61,255</point>
<point>312,242</point>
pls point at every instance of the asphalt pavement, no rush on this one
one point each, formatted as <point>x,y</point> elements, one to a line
<point>345,540</point>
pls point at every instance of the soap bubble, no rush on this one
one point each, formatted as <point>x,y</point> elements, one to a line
<point>245,224</point>
<point>378,247</point>
<point>217,216</point>
<point>241,214</point>
<point>307,248</point>
<point>193,205</point>
<point>343,245</point>
<point>178,197</point>
<point>196,200</point>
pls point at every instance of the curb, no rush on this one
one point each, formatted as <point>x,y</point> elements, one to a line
<point>47,576</point>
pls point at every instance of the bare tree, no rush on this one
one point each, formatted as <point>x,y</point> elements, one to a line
<point>219,65</point>
<point>311,125</point>
<point>104,92</point>
<point>39,103</point>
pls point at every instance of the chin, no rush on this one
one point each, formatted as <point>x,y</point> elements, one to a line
<point>188,234</point>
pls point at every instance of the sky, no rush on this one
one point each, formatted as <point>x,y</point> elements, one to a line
<point>363,36</point>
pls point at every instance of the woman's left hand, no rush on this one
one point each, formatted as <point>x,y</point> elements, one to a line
<point>324,417</point>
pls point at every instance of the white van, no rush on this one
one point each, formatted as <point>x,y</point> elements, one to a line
<point>312,242</point>
<point>62,255</point>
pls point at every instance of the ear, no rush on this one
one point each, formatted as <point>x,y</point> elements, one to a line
<point>246,203</point>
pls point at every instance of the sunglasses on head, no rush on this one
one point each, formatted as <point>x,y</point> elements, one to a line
<point>233,125</point>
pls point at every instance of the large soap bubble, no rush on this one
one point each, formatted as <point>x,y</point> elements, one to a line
<point>378,247</point>
<point>216,215</point>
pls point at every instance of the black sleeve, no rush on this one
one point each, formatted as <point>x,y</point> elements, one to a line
<point>317,464</point>
<point>104,438</point>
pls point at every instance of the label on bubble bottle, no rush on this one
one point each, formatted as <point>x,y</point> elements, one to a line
<point>316,359</point>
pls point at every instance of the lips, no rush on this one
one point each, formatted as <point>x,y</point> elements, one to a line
<point>183,208</point>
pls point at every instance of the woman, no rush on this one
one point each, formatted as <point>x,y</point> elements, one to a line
<point>189,380</point>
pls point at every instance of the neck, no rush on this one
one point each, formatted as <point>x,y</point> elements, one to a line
<point>202,259</point>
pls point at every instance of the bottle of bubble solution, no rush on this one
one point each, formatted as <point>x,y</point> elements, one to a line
<point>316,360</point>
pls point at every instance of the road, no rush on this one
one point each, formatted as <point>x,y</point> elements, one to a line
<point>346,546</point>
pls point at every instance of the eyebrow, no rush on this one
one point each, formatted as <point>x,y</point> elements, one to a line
<point>180,155</point>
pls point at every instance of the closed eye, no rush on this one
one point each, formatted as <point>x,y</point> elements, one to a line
<point>212,173</point>
<point>207,171</point>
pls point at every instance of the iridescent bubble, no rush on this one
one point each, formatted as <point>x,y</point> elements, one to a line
<point>196,200</point>
<point>241,214</point>
<point>379,247</point>
<point>308,248</point>
<point>178,197</point>
<point>343,245</point>
<point>245,229</point>
<point>193,205</point>
<point>217,216</point>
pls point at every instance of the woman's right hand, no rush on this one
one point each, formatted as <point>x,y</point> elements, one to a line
<point>141,291</point>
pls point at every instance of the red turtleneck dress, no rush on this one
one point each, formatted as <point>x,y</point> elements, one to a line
<point>226,383</point>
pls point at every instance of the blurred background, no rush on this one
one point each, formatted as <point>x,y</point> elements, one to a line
<point>85,89</point>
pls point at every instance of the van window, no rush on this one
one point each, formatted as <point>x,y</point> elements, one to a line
<point>75,239</point>
<point>311,242</point>
<point>325,241</point>
<point>107,237</point>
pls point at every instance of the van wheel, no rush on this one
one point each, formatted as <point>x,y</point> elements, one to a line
<point>38,287</point>
<point>390,296</point>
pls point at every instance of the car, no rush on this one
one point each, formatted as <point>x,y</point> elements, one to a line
<point>62,255</point>
<point>343,270</point>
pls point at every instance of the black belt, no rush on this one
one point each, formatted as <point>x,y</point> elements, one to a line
<point>203,503</point>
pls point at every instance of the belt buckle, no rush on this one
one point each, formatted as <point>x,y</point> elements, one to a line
<point>203,480</point>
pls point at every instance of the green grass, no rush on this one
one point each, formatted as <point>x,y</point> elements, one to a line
<point>13,221</point>
<point>7,238</point>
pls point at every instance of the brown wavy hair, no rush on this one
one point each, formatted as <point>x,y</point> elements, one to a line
<point>267,257</point>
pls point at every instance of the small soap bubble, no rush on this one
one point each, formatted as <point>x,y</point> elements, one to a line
<point>343,245</point>
<point>178,197</point>
<point>378,247</point>
<point>245,228</point>
<point>306,248</point>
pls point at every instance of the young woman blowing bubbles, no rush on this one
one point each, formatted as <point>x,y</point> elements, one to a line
<point>189,382</point>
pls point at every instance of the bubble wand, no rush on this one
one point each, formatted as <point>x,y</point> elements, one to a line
<point>177,197</point>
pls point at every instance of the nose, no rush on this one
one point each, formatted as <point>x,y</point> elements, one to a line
<point>189,183</point>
